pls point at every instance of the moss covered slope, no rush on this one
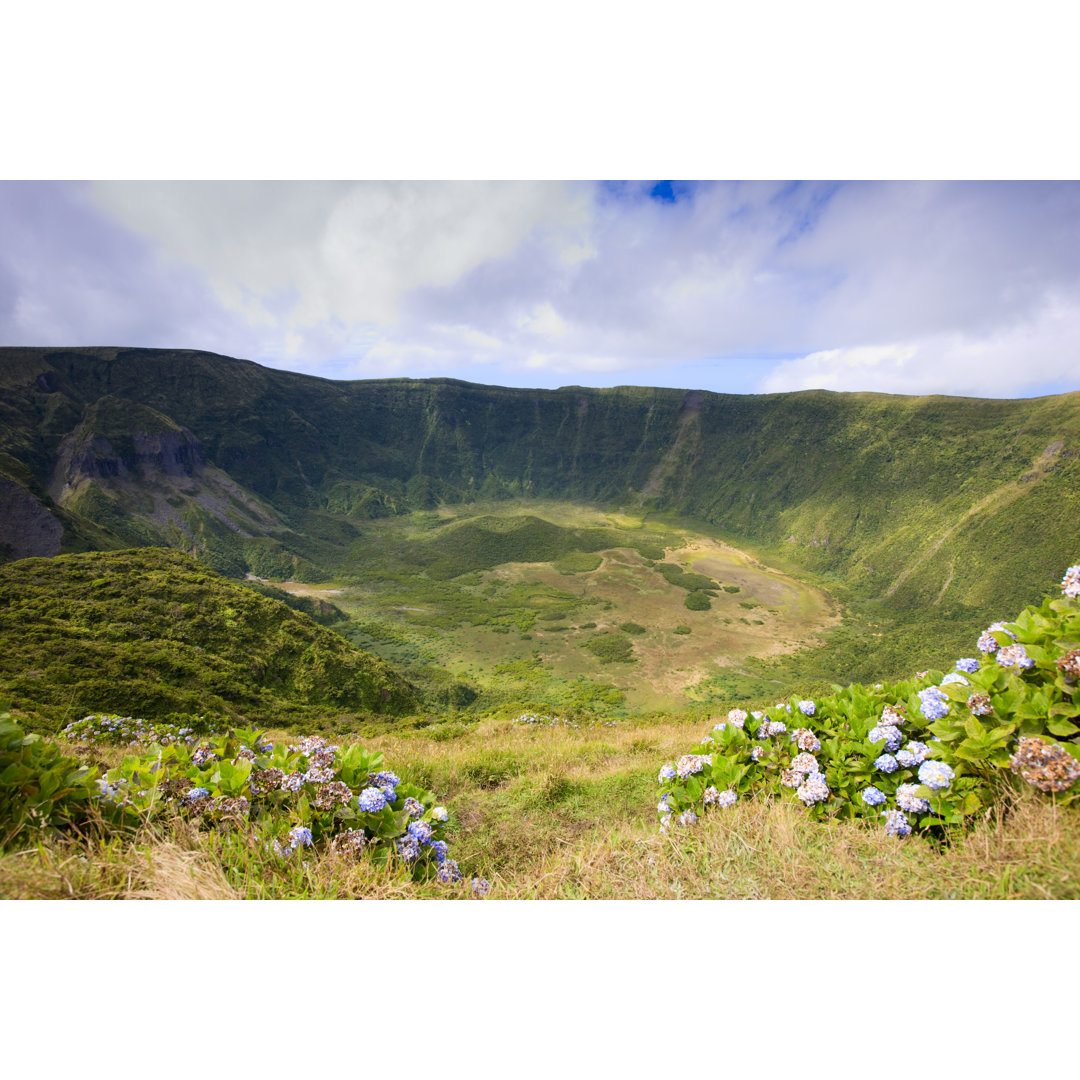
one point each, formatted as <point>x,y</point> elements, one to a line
<point>150,632</point>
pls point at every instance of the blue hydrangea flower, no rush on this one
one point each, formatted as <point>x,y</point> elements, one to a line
<point>480,886</point>
<point>807,708</point>
<point>872,796</point>
<point>371,800</point>
<point>688,817</point>
<point>689,764</point>
<point>907,800</point>
<point>895,823</point>
<point>440,813</point>
<point>726,799</point>
<point>384,779</point>
<point>1014,656</point>
<point>300,836</point>
<point>710,794</point>
<point>954,677</point>
<point>662,806</point>
<point>906,759</point>
<point>813,789</point>
<point>1070,583</point>
<point>420,831</point>
<point>667,772</point>
<point>195,794</point>
<point>408,848</point>
<point>886,763</point>
<point>968,664</point>
<point>414,807</point>
<point>889,735</point>
<point>934,709</point>
<point>987,643</point>
<point>936,775</point>
<point>439,848</point>
<point>448,873</point>
<point>919,751</point>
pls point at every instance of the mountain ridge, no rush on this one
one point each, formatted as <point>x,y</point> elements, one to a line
<point>877,489</point>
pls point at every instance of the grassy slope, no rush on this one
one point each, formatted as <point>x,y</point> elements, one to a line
<point>150,632</point>
<point>565,814</point>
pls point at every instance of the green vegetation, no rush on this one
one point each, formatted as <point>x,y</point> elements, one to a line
<point>153,632</point>
<point>500,550</point>
<point>611,649</point>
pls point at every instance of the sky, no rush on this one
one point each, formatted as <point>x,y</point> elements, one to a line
<point>910,287</point>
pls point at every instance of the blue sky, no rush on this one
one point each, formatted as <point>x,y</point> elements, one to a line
<point>907,287</point>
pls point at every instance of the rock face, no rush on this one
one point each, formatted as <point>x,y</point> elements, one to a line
<point>27,528</point>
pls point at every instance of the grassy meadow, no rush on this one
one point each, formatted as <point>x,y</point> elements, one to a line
<point>564,813</point>
<point>592,608</point>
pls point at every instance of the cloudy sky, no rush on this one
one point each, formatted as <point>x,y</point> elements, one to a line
<point>906,287</point>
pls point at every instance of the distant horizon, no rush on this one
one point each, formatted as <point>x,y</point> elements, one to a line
<point>962,289</point>
<point>533,386</point>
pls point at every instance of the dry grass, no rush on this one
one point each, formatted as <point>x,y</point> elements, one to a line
<point>771,850</point>
<point>554,813</point>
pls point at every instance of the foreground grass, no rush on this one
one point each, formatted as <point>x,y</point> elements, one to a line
<point>557,813</point>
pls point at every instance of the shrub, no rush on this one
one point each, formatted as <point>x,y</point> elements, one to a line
<point>40,787</point>
<point>923,753</point>
<point>611,649</point>
<point>697,601</point>
<point>307,794</point>
<point>632,628</point>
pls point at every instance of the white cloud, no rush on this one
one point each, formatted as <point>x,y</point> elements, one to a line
<point>545,321</point>
<point>314,251</point>
<point>960,364</point>
<point>909,287</point>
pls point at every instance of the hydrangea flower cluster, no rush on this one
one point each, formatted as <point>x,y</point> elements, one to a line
<point>890,736</point>
<point>814,789</point>
<point>1014,656</point>
<point>908,800</point>
<point>805,739</point>
<point>987,643</point>
<point>1045,765</point>
<point>689,764</point>
<point>129,731</point>
<point>1070,583</point>
<point>934,703</point>
<point>536,720</point>
<point>936,775</point>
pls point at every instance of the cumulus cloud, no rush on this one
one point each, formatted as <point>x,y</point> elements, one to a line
<point>907,287</point>
<point>995,364</point>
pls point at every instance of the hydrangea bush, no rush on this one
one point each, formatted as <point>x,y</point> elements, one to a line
<point>918,754</point>
<point>306,794</point>
<point>132,731</point>
<point>40,786</point>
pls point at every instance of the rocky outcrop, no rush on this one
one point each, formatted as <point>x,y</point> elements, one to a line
<point>27,528</point>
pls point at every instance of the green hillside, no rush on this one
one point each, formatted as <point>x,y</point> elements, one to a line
<point>923,501</point>
<point>151,632</point>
